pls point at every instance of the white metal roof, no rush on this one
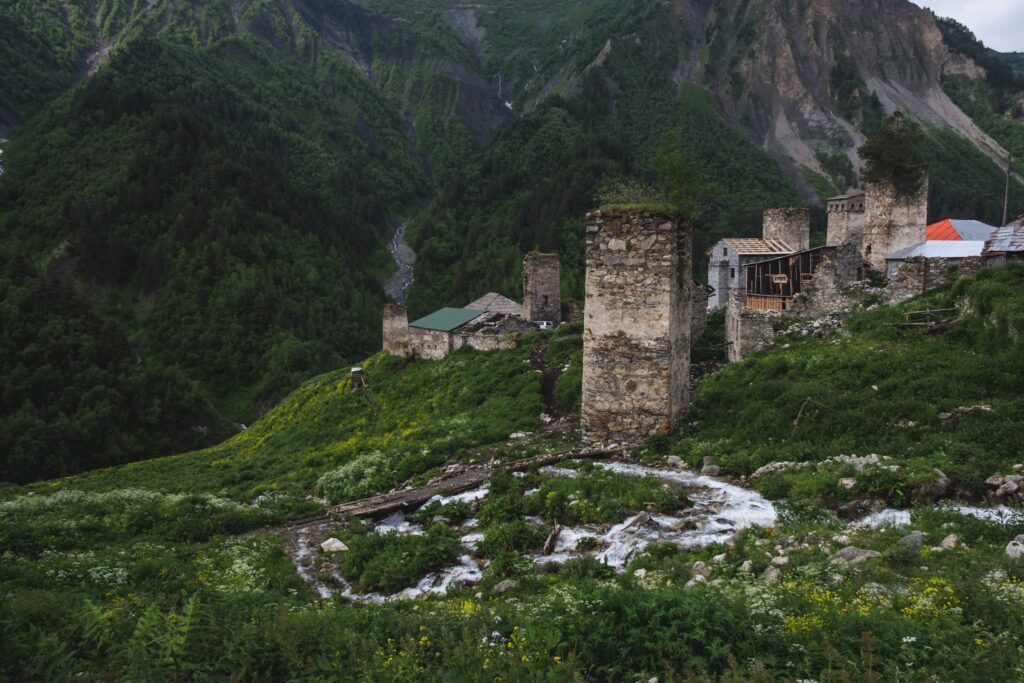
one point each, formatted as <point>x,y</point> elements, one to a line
<point>939,249</point>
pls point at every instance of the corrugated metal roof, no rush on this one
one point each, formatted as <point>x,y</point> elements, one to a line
<point>1008,239</point>
<point>447,319</point>
<point>493,302</point>
<point>849,195</point>
<point>755,246</point>
<point>959,229</point>
<point>939,249</point>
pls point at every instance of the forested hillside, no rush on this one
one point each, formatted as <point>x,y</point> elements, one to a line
<point>215,182</point>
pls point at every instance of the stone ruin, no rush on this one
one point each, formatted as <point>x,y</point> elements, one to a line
<point>790,225</point>
<point>893,220</point>
<point>542,298</point>
<point>637,327</point>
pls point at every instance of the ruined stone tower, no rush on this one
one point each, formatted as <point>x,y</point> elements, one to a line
<point>542,290</point>
<point>846,219</point>
<point>894,220</point>
<point>792,226</point>
<point>396,329</point>
<point>636,337</point>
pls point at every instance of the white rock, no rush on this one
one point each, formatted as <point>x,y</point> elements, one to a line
<point>747,566</point>
<point>674,461</point>
<point>1015,548</point>
<point>771,575</point>
<point>718,559</point>
<point>333,545</point>
<point>949,542</point>
<point>842,540</point>
<point>780,561</point>
<point>701,569</point>
<point>848,483</point>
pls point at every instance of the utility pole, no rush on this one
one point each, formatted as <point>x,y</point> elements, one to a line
<point>1006,197</point>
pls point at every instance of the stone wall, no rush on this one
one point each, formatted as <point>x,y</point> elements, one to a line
<point>542,288</point>
<point>486,342</point>
<point>572,311</point>
<point>396,330</point>
<point>917,275</point>
<point>792,226</point>
<point>636,337</point>
<point>430,344</point>
<point>845,224</point>
<point>698,312</point>
<point>832,288</point>
<point>893,221</point>
<point>746,331</point>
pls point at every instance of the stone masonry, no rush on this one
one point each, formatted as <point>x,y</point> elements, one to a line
<point>846,220</point>
<point>542,293</point>
<point>636,337</point>
<point>835,285</point>
<point>792,226</point>
<point>396,330</point>
<point>746,330</point>
<point>918,275</point>
<point>893,221</point>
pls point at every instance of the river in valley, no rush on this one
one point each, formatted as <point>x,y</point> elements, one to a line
<point>397,287</point>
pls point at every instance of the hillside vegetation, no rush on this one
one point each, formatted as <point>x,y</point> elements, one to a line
<point>133,571</point>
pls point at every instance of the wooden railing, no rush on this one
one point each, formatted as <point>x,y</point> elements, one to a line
<point>759,302</point>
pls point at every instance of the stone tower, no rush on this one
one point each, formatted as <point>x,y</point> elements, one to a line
<point>894,220</point>
<point>636,336</point>
<point>396,330</point>
<point>792,226</point>
<point>542,288</point>
<point>846,219</point>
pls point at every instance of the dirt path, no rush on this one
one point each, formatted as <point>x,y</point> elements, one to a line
<point>549,377</point>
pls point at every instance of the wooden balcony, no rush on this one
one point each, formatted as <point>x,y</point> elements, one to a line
<point>760,302</point>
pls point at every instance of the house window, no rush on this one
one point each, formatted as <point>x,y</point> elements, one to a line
<point>545,302</point>
<point>725,251</point>
<point>732,273</point>
<point>867,252</point>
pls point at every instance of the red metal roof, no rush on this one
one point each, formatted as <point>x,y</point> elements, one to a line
<point>942,231</point>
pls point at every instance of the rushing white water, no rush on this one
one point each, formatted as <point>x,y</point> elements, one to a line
<point>719,511</point>
<point>894,517</point>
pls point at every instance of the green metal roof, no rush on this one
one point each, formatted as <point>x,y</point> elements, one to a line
<point>447,319</point>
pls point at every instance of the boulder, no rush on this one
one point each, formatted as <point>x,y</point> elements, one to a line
<point>505,586</point>
<point>711,470</point>
<point>701,569</point>
<point>848,483</point>
<point>747,566</point>
<point>719,559</point>
<point>333,545</point>
<point>950,542</point>
<point>934,490</point>
<point>995,481</point>
<point>913,540</point>
<point>1015,548</point>
<point>674,461</point>
<point>780,561</point>
<point>852,555</point>
<point>856,509</point>
<point>1007,489</point>
<point>696,580</point>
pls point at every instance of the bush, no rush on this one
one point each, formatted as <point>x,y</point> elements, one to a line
<point>391,562</point>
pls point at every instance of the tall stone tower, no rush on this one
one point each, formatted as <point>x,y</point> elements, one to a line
<point>846,219</point>
<point>792,226</point>
<point>894,220</point>
<point>396,330</point>
<point>542,288</point>
<point>636,336</point>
